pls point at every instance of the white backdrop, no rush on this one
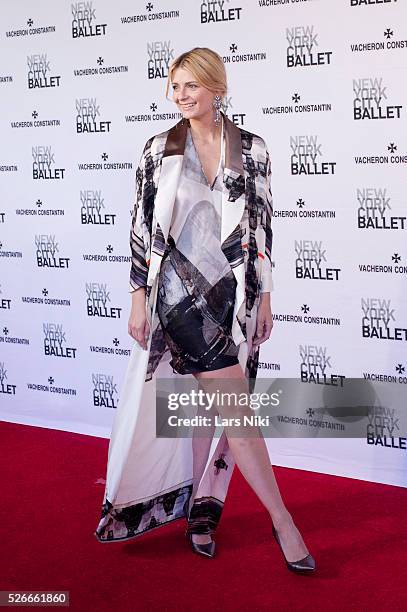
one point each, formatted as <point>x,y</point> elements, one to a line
<point>82,88</point>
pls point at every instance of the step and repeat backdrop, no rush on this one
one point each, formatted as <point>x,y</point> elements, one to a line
<point>82,87</point>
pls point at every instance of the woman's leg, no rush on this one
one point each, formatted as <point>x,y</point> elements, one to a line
<point>201,444</point>
<point>252,458</point>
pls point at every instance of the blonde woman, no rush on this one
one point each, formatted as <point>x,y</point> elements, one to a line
<point>201,279</point>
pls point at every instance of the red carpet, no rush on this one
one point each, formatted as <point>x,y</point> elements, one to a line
<point>51,498</point>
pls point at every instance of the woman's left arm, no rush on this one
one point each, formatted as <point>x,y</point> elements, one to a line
<point>266,274</point>
<point>264,315</point>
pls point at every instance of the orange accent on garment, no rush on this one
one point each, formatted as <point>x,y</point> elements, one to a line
<point>246,244</point>
<point>148,262</point>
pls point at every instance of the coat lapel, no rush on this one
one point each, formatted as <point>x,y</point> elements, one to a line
<point>171,165</point>
<point>233,196</point>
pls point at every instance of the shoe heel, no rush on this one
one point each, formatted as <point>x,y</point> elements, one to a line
<point>303,566</point>
<point>206,550</point>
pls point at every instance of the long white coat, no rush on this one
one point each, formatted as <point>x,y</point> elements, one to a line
<point>149,479</point>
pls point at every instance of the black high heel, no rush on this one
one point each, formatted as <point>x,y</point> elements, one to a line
<point>207,550</point>
<point>303,566</point>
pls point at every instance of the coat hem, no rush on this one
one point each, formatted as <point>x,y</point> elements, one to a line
<point>136,535</point>
<point>203,517</point>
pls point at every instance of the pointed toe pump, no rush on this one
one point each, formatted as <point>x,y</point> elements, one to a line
<point>303,566</point>
<point>207,550</point>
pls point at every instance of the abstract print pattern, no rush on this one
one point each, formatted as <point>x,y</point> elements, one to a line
<point>196,287</point>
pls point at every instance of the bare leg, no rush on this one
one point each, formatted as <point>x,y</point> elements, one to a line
<point>252,458</point>
<point>201,443</point>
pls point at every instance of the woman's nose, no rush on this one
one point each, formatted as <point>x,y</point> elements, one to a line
<point>182,94</point>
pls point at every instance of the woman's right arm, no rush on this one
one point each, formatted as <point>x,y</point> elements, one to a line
<point>138,326</point>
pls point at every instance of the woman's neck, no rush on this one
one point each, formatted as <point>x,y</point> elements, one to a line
<point>205,129</point>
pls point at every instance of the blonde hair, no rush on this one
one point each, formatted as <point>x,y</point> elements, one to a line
<point>207,67</point>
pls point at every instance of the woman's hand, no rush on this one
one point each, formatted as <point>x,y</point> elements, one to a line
<point>138,327</point>
<point>264,319</point>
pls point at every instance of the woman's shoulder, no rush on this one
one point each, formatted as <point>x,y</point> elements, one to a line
<point>253,139</point>
<point>155,144</point>
<point>254,146</point>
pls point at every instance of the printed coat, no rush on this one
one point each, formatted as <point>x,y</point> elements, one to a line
<point>149,478</point>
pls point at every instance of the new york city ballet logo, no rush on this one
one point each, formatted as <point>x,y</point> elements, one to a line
<point>46,252</point>
<point>315,366</point>
<point>237,118</point>
<point>370,101</point>
<point>378,320</point>
<point>97,302</point>
<point>213,11</point>
<point>303,48</point>
<point>306,157</point>
<point>383,428</point>
<point>55,343</point>
<point>374,210</point>
<point>370,2</point>
<point>84,21</point>
<point>311,261</point>
<point>93,208</point>
<point>39,72</point>
<point>44,164</point>
<point>160,55</point>
<point>5,387</point>
<point>87,113</point>
<point>105,392</point>
<point>227,107</point>
<point>5,303</point>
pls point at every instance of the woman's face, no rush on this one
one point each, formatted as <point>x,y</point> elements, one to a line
<point>192,99</point>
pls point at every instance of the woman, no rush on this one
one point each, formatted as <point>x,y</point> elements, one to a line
<point>200,280</point>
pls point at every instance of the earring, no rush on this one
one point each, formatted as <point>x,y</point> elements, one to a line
<point>217,103</point>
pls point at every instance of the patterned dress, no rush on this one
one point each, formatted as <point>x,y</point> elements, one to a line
<point>196,286</point>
